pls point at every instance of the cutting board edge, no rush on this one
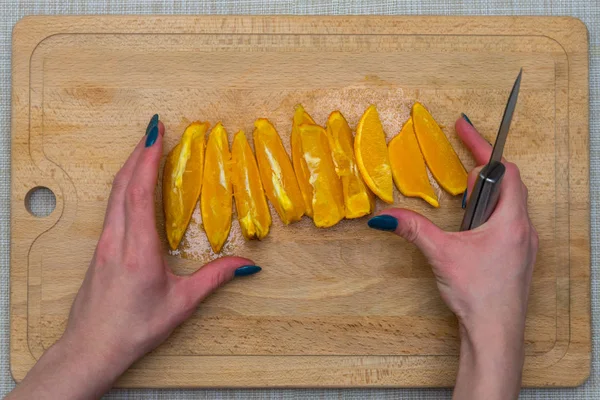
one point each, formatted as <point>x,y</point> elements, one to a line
<point>37,32</point>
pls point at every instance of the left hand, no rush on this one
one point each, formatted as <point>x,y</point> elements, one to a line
<point>130,300</point>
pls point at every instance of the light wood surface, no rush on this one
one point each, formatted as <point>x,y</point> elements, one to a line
<point>346,306</point>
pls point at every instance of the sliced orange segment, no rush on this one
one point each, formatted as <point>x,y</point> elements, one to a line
<point>250,202</point>
<point>182,181</point>
<point>372,156</point>
<point>216,200</point>
<point>327,200</point>
<point>277,173</point>
<point>358,199</point>
<point>300,168</point>
<point>408,166</point>
<point>442,160</point>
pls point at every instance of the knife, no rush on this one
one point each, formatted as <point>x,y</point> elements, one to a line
<point>486,190</point>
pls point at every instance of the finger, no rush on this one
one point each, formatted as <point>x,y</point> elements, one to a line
<point>513,195</point>
<point>139,195</point>
<point>413,227</point>
<point>471,179</point>
<point>512,201</point>
<point>115,209</point>
<point>196,287</point>
<point>476,144</point>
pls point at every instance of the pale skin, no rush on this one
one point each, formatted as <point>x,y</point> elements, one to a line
<point>130,300</point>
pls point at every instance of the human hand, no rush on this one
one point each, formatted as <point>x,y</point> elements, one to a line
<point>130,301</point>
<point>483,275</point>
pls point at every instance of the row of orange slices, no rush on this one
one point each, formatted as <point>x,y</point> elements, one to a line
<point>331,174</point>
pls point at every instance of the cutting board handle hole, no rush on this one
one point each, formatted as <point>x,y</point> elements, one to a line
<point>40,201</point>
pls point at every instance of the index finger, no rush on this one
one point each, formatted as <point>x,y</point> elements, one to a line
<point>122,178</point>
<point>139,195</point>
<point>513,194</point>
<point>476,144</point>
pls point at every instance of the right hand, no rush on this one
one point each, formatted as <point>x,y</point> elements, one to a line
<point>484,274</point>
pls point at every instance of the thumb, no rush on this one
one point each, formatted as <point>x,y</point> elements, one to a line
<point>211,276</point>
<point>411,226</point>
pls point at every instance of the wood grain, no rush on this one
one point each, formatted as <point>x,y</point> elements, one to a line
<point>341,307</point>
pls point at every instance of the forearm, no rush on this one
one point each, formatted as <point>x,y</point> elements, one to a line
<point>67,372</point>
<point>491,363</point>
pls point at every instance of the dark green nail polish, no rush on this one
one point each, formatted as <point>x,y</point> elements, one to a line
<point>464,200</point>
<point>153,122</point>
<point>467,119</point>
<point>383,223</point>
<point>247,270</point>
<point>152,136</point>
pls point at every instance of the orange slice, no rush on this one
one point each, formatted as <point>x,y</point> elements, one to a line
<point>372,157</point>
<point>250,202</point>
<point>358,199</point>
<point>442,160</point>
<point>300,168</point>
<point>327,200</point>
<point>408,166</point>
<point>277,173</point>
<point>216,199</point>
<point>182,181</point>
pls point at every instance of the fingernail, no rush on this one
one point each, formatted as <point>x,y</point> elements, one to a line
<point>152,135</point>
<point>467,119</point>
<point>464,200</point>
<point>383,223</point>
<point>153,122</point>
<point>247,270</point>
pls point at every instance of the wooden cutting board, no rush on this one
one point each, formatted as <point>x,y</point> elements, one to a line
<point>346,306</point>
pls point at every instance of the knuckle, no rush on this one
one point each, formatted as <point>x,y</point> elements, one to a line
<point>149,159</point>
<point>510,166</point>
<point>512,170</point>
<point>104,243</point>
<point>103,253</point>
<point>106,248</point>
<point>474,172</point>
<point>522,232</point>
<point>131,262</point>
<point>120,180</point>
<point>183,305</point>
<point>217,278</point>
<point>409,230</point>
<point>137,196</point>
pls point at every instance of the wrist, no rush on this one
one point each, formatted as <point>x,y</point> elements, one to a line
<point>491,333</point>
<point>491,361</point>
<point>92,369</point>
<point>493,347</point>
<point>69,370</point>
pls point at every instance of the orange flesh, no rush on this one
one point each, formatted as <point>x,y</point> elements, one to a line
<point>250,202</point>
<point>408,166</point>
<point>216,201</point>
<point>327,200</point>
<point>182,181</point>
<point>358,199</point>
<point>442,160</point>
<point>277,173</point>
<point>300,167</point>
<point>372,156</point>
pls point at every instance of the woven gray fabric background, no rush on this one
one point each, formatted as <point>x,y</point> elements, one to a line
<point>12,10</point>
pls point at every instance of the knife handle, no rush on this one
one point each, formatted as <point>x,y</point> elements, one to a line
<point>484,196</point>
